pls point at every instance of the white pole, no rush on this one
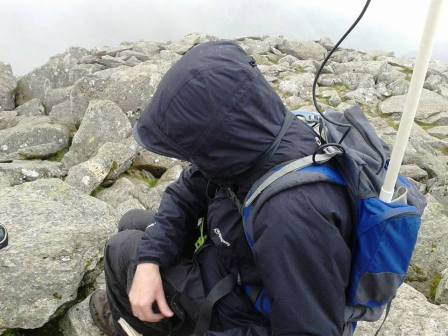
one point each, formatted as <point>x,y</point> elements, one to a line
<point>412,99</point>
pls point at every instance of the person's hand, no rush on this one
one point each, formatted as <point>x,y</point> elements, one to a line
<point>146,290</point>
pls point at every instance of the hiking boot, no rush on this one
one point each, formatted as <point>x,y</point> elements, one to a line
<point>101,313</point>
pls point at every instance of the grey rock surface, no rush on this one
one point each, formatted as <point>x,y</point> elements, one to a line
<point>20,171</point>
<point>112,160</point>
<point>32,132</point>
<point>411,315</point>
<point>129,87</point>
<point>32,107</point>
<point>8,119</point>
<point>78,321</point>
<point>373,68</point>
<point>154,163</point>
<point>432,109</point>
<point>103,122</point>
<point>441,295</point>
<point>60,71</point>
<point>440,132</point>
<point>303,49</point>
<point>299,85</point>
<point>57,235</point>
<point>8,85</point>
<point>431,254</point>
<point>56,96</point>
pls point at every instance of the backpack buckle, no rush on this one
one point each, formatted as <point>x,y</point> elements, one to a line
<point>326,152</point>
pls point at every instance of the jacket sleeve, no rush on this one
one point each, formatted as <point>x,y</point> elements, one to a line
<point>300,248</point>
<point>183,203</point>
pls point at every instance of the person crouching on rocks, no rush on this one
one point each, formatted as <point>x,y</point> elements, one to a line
<point>215,109</point>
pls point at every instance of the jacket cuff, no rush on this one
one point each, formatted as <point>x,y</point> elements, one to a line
<point>147,259</point>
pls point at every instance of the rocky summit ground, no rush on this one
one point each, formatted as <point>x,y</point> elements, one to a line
<point>69,167</point>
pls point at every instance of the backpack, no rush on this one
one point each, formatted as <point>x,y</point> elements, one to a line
<point>385,233</point>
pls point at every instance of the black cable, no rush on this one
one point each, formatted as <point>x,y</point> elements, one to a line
<point>316,105</point>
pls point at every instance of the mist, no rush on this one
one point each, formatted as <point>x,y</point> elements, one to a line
<point>32,31</point>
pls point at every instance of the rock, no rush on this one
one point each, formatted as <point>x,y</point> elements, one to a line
<point>19,171</point>
<point>8,119</point>
<point>128,205</point>
<point>62,114</point>
<point>7,88</point>
<point>299,85</point>
<point>4,181</point>
<point>154,163</point>
<point>57,236</point>
<point>111,161</point>
<point>434,82</point>
<point>56,96</point>
<point>60,71</point>
<point>382,90</point>
<point>126,188</point>
<point>411,315</point>
<point>34,137</point>
<point>294,102</point>
<point>390,76</point>
<point>188,42</point>
<point>432,109</point>
<point>441,296</point>
<point>363,96</point>
<point>329,80</point>
<point>431,253</point>
<point>346,55</point>
<point>373,68</point>
<point>88,175</point>
<point>103,122</point>
<point>327,43</point>
<point>414,172</point>
<point>399,87</point>
<point>440,132</point>
<point>418,151</point>
<point>78,321</point>
<point>129,87</point>
<point>258,46</point>
<point>32,107</point>
<point>303,49</point>
<point>151,200</point>
<point>123,190</point>
<point>354,80</point>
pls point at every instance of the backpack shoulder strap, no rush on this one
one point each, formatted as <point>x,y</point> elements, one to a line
<point>280,178</point>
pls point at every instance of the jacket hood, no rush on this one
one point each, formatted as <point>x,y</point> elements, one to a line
<point>215,109</point>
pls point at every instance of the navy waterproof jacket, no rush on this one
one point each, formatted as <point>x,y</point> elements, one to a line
<point>214,109</point>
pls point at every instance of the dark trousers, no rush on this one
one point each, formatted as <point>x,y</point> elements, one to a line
<point>233,311</point>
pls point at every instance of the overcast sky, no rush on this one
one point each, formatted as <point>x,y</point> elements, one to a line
<point>33,30</point>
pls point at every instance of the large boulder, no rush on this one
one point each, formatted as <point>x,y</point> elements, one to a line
<point>431,253</point>
<point>60,71</point>
<point>411,315</point>
<point>78,321</point>
<point>103,122</point>
<point>373,68</point>
<point>112,160</point>
<point>57,236</point>
<point>128,189</point>
<point>432,109</point>
<point>303,49</point>
<point>20,171</point>
<point>299,85</point>
<point>34,137</point>
<point>8,119</point>
<point>7,88</point>
<point>32,107</point>
<point>129,87</point>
